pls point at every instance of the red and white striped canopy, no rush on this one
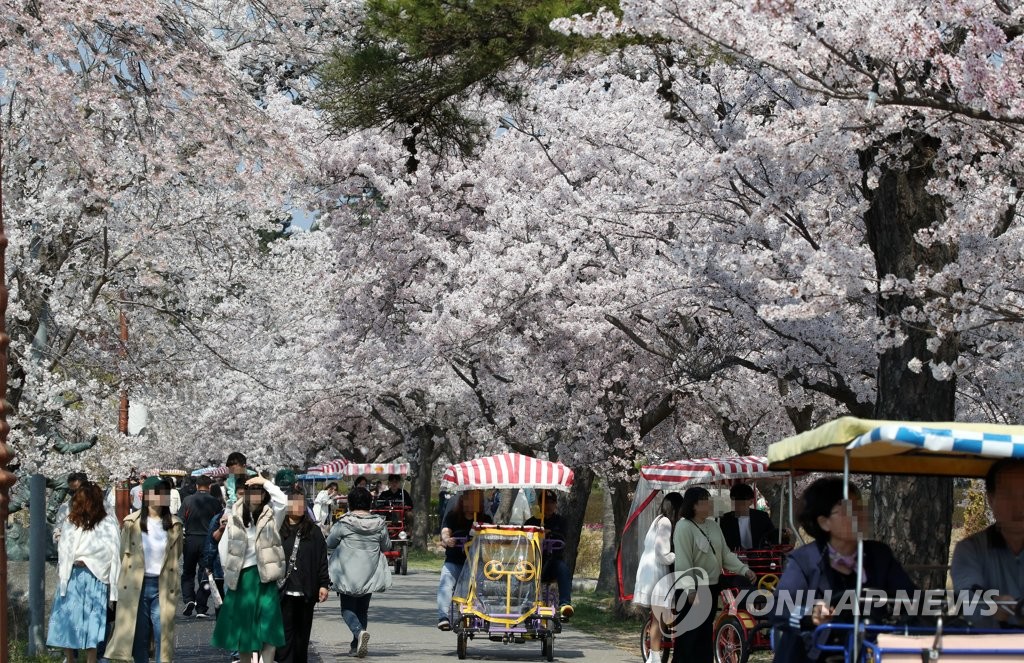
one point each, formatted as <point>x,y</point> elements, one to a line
<point>359,469</point>
<point>508,470</point>
<point>703,471</point>
<point>330,467</point>
<point>214,471</point>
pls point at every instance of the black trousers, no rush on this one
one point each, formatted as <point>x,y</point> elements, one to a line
<point>696,645</point>
<point>192,553</point>
<point>297,614</point>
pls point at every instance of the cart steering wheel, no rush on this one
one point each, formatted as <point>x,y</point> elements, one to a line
<point>768,582</point>
<point>494,569</point>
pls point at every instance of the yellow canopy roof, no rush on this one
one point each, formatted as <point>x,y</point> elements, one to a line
<point>899,447</point>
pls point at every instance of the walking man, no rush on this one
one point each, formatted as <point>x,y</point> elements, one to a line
<point>196,512</point>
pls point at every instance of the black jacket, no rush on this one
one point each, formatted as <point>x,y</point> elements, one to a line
<point>196,511</point>
<point>310,572</point>
<point>555,530</point>
<point>762,531</point>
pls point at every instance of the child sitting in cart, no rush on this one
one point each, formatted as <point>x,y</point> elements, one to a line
<point>553,564</point>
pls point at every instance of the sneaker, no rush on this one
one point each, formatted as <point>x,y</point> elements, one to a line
<point>444,625</point>
<point>364,641</point>
<point>566,611</point>
<point>189,608</point>
<point>201,615</point>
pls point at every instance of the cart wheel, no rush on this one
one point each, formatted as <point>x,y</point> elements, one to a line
<point>404,559</point>
<point>548,648</point>
<point>731,642</point>
<point>645,644</point>
<point>463,642</point>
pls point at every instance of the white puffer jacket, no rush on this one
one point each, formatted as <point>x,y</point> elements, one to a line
<point>258,544</point>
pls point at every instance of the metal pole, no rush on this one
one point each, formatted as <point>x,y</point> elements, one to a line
<point>7,479</point>
<point>37,546</point>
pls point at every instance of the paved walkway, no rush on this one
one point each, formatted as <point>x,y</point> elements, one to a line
<point>402,626</point>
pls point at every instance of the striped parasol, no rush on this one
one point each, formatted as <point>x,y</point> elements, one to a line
<point>335,466</point>
<point>212,471</point>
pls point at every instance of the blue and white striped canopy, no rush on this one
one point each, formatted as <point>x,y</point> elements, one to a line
<point>897,447</point>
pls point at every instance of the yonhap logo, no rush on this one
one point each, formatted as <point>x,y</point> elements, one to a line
<point>682,601</point>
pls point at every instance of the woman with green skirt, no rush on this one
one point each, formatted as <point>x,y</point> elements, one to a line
<point>253,560</point>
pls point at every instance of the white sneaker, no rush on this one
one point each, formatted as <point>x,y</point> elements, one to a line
<point>364,642</point>
<point>653,656</point>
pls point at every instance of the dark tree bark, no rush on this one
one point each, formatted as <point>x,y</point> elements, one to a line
<point>620,495</point>
<point>420,466</point>
<point>573,510</point>
<point>900,206</point>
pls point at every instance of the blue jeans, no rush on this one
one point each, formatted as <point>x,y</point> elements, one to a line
<point>147,621</point>
<point>450,573</point>
<point>354,610</point>
<point>558,570</point>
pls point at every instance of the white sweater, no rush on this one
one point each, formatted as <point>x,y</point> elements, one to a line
<point>99,548</point>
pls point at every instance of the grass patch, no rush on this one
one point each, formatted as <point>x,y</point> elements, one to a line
<point>594,614</point>
<point>19,654</point>
<point>425,560</point>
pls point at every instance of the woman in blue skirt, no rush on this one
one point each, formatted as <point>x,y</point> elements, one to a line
<point>253,560</point>
<point>88,566</point>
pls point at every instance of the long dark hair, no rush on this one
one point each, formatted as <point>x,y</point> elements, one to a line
<point>305,524</point>
<point>87,506</point>
<point>248,517</point>
<point>688,507</point>
<point>164,510</point>
<point>670,506</point>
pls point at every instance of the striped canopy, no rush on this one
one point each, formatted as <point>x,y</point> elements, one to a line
<point>679,474</point>
<point>330,467</point>
<point>212,471</point>
<point>676,476</point>
<point>359,469</point>
<point>899,447</point>
<point>508,470</point>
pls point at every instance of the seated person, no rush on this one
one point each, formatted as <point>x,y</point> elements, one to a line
<point>827,564</point>
<point>395,495</point>
<point>553,562</point>
<point>746,527</point>
<point>991,559</point>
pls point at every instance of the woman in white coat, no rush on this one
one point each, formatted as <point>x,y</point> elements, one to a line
<point>655,563</point>
<point>89,563</point>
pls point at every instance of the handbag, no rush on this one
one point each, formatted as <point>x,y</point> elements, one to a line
<point>216,600</point>
<point>291,564</point>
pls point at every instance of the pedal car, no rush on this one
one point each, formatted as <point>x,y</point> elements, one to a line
<point>500,595</point>
<point>395,514</point>
<point>736,632</point>
<point>850,445</point>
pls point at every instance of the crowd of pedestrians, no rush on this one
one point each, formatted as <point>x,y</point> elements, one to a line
<point>248,549</point>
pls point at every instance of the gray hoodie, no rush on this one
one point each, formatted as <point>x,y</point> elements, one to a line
<point>356,544</point>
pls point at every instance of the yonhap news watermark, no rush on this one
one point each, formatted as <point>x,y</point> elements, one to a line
<point>682,601</point>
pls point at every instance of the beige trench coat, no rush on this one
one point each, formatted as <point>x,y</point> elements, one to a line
<point>129,589</point>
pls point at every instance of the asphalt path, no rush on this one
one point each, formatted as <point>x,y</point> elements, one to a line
<point>403,627</point>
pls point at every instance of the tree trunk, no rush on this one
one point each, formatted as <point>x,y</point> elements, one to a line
<point>574,510</point>
<point>618,500</point>
<point>900,206</point>
<point>421,465</point>
<point>607,578</point>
